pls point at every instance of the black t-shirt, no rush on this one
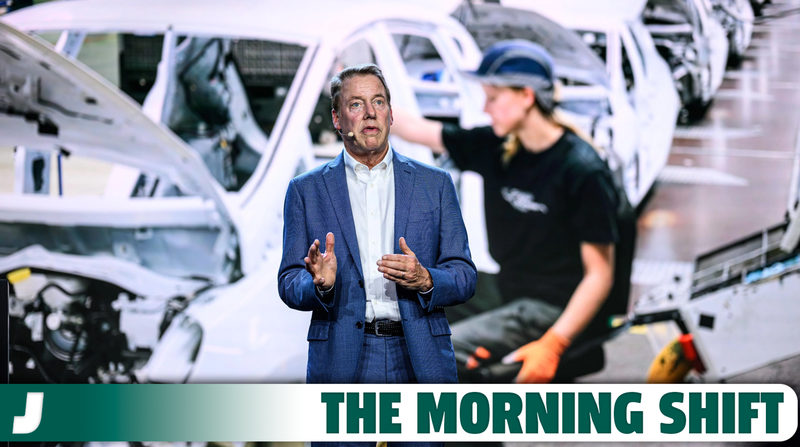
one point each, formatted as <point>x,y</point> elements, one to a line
<point>539,208</point>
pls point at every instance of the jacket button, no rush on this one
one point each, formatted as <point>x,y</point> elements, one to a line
<point>361,284</point>
<point>359,325</point>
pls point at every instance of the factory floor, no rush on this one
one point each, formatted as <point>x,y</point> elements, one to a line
<point>728,177</point>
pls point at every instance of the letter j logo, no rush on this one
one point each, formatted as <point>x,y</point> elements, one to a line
<point>33,415</point>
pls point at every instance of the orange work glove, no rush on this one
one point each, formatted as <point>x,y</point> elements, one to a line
<point>540,358</point>
<point>480,353</point>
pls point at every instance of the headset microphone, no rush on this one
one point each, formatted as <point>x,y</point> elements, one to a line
<point>349,134</point>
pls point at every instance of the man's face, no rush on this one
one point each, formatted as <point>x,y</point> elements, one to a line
<point>364,110</point>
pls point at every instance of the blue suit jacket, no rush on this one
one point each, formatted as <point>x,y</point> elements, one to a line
<point>428,216</point>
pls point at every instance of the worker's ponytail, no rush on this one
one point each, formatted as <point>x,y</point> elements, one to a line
<point>510,148</point>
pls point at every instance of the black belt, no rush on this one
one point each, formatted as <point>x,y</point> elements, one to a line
<point>384,328</point>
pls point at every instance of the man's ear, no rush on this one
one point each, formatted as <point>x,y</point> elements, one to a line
<point>391,117</point>
<point>335,119</point>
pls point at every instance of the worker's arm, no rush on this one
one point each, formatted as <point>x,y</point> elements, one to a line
<point>591,293</point>
<point>416,129</point>
<point>540,358</point>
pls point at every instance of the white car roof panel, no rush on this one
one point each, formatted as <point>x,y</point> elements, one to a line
<point>298,21</point>
<point>584,14</point>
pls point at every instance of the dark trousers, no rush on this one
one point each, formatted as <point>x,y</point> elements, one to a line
<point>383,360</point>
<point>500,331</point>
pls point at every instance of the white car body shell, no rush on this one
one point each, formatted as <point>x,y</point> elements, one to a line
<point>737,17</point>
<point>654,98</point>
<point>248,334</point>
<point>717,42</point>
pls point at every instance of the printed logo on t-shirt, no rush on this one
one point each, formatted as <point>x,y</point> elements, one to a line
<point>523,201</point>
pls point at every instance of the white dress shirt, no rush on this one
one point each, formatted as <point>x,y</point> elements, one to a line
<point>372,202</point>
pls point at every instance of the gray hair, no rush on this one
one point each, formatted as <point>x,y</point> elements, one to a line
<point>356,70</point>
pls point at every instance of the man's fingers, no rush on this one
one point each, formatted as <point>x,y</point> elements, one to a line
<point>319,282</point>
<point>397,274</point>
<point>312,267</point>
<point>329,240</point>
<point>404,247</point>
<point>396,265</point>
<point>313,250</point>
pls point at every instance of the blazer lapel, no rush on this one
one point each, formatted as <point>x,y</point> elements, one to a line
<point>403,187</point>
<point>336,184</point>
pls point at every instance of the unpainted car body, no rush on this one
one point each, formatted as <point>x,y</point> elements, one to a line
<point>758,6</point>
<point>637,72</point>
<point>586,99</point>
<point>585,87</point>
<point>736,17</point>
<point>717,39</point>
<point>696,55</point>
<point>170,276</point>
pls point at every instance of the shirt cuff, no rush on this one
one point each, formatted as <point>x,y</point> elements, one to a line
<point>321,293</point>
<point>428,292</point>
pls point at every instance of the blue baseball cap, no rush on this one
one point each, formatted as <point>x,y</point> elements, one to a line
<point>518,63</point>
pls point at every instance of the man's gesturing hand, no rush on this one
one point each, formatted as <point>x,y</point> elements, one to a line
<point>322,266</point>
<point>406,270</point>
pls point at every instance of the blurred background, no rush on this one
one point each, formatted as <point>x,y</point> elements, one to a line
<point>146,147</point>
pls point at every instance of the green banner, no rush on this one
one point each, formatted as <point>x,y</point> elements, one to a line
<point>298,412</point>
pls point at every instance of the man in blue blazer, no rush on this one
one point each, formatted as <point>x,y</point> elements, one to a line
<point>377,306</point>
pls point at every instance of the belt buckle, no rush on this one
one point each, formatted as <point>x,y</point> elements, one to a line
<point>377,330</point>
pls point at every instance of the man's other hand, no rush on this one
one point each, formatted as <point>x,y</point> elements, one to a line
<point>406,270</point>
<point>322,266</point>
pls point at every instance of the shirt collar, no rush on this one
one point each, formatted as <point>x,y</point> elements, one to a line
<point>352,163</point>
